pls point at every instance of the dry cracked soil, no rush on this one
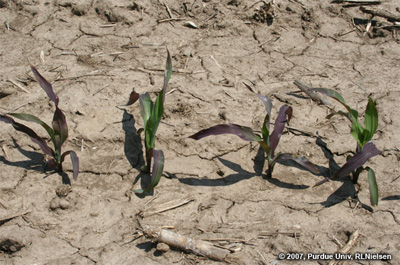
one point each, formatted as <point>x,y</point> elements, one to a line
<point>215,189</point>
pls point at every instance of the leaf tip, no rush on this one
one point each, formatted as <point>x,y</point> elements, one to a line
<point>133,97</point>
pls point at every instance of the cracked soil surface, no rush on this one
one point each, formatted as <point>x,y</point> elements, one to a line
<point>95,52</point>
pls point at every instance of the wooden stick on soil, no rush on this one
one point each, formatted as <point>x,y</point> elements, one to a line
<point>11,216</point>
<point>18,85</point>
<point>146,214</point>
<point>198,247</point>
<point>346,249</point>
<point>358,2</point>
<point>380,13</point>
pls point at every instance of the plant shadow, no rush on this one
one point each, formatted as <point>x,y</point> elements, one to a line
<point>133,150</point>
<point>224,181</point>
<point>391,198</point>
<point>259,164</point>
<point>132,144</point>
<point>35,161</point>
<point>242,174</point>
<point>346,190</point>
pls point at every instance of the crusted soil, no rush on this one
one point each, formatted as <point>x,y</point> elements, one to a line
<point>95,52</point>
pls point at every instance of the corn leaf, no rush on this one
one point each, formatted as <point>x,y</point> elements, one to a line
<point>284,111</point>
<point>167,74</point>
<point>133,97</point>
<point>373,187</point>
<point>333,94</point>
<point>155,118</point>
<point>357,131</point>
<point>266,101</point>
<point>345,114</point>
<point>243,132</point>
<point>358,160</point>
<point>75,162</point>
<point>265,133</point>
<point>34,137</point>
<point>307,90</point>
<point>158,167</point>
<point>301,160</point>
<point>45,85</point>
<point>31,118</point>
<point>146,106</point>
<point>61,131</point>
<point>371,120</point>
<point>158,107</point>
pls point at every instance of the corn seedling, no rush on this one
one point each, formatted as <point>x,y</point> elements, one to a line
<point>363,135</point>
<point>268,141</point>
<point>151,114</point>
<point>58,132</point>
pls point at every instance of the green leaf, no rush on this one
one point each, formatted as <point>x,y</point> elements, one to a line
<point>158,107</point>
<point>357,131</point>
<point>158,167</point>
<point>29,117</point>
<point>345,114</point>
<point>155,118</point>
<point>373,187</point>
<point>333,94</point>
<point>146,106</point>
<point>371,120</point>
<point>265,133</point>
<point>34,137</point>
<point>167,74</point>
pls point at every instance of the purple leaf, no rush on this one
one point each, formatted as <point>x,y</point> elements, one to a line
<point>75,162</point>
<point>358,160</point>
<point>156,173</point>
<point>266,101</point>
<point>132,98</point>
<point>31,118</point>
<point>299,160</point>
<point>34,137</point>
<point>280,121</point>
<point>45,85</point>
<point>243,132</point>
<point>60,130</point>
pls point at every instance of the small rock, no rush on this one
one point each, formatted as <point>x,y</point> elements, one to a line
<point>3,3</point>
<point>190,24</point>
<point>79,10</point>
<point>162,247</point>
<point>63,190</point>
<point>64,204</point>
<point>55,203</point>
<point>10,246</point>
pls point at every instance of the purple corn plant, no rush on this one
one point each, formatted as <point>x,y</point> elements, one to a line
<point>268,141</point>
<point>58,132</point>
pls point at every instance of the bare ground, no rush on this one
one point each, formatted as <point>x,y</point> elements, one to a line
<point>96,52</point>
